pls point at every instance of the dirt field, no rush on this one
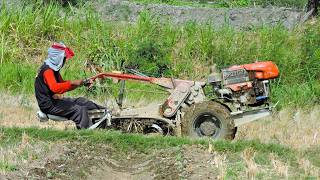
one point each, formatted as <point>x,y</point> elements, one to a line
<point>74,161</point>
<point>296,129</point>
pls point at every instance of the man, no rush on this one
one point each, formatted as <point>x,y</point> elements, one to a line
<point>49,87</point>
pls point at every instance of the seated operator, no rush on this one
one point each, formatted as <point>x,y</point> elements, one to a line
<point>49,87</point>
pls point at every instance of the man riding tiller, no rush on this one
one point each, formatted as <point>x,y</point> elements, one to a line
<point>49,87</point>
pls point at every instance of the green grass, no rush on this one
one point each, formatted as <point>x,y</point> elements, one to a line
<point>155,48</point>
<point>228,3</point>
<point>5,166</point>
<point>127,142</point>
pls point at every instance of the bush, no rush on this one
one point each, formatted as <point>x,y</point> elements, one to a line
<point>150,58</point>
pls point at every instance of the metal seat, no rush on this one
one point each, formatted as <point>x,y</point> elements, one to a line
<point>99,115</point>
<point>45,117</point>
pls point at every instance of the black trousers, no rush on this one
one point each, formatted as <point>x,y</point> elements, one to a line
<point>75,109</point>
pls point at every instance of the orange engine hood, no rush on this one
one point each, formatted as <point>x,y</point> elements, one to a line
<point>263,70</point>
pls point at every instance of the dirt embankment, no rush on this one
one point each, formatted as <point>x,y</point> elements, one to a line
<point>88,160</point>
<point>240,18</point>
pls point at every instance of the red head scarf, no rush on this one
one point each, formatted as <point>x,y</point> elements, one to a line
<point>68,52</point>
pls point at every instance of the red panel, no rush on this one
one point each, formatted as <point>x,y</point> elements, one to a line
<point>264,70</point>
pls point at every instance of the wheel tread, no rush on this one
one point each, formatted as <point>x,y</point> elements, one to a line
<point>221,112</point>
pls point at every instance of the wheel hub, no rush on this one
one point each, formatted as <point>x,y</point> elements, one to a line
<point>208,128</point>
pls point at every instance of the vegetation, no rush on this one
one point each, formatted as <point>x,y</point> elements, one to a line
<point>29,144</point>
<point>129,142</point>
<point>155,48</point>
<point>229,3</point>
<point>159,49</point>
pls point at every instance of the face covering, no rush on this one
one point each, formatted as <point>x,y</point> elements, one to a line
<point>56,54</point>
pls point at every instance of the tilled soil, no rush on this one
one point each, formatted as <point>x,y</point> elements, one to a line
<point>82,160</point>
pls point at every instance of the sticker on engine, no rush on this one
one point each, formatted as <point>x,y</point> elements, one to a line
<point>235,76</point>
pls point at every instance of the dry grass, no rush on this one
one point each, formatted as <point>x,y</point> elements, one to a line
<point>251,167</point>
<point>20,111</point>
<point>21,154</point>
<point>295,128</point>
<point>308,168</point>
<point>220,162</point>
<point>280,167</point>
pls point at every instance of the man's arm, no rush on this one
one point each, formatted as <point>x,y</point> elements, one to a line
<point>59,88</point>
<point>75,84</point>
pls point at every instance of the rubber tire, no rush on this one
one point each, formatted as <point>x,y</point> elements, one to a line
<point>227,130</point>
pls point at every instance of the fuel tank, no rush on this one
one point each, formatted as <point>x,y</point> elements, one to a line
<point>263,70</point>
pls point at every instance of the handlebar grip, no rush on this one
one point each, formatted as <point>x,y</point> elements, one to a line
<point>86,82</point>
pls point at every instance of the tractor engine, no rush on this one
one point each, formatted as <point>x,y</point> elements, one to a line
<point>244,85</point>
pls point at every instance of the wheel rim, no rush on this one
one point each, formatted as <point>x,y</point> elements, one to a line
<point>207,125</point>
<point>154,129</point>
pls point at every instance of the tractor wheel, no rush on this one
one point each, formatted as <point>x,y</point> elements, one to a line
<point>208,119</point>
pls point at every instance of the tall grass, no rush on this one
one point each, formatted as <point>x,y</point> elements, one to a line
<point>154,47</point>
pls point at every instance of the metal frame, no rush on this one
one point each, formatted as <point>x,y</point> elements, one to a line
<point>183,93</point>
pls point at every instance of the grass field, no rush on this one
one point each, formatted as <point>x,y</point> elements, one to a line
<point>158,49</point>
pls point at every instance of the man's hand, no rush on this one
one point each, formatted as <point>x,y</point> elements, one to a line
<point>76,83</point>
<point>88,82</point>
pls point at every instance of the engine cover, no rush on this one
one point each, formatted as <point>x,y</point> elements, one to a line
<point>262,70</point>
